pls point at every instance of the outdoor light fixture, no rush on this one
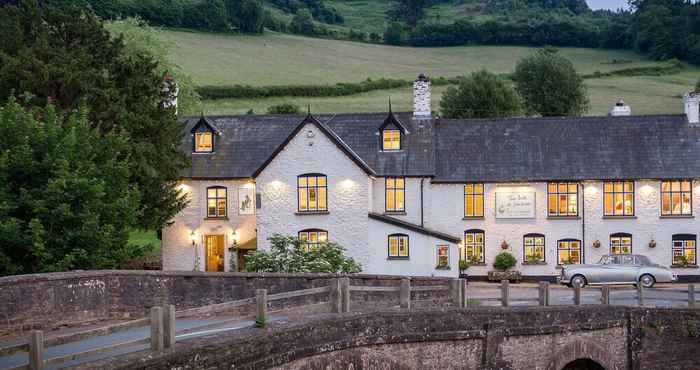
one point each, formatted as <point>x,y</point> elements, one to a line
<point>234,237</point>
<point>192,236</point>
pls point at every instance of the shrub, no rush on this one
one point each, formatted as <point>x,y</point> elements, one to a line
<point>504,261</point>
<point>288,254</point>
<point>284,108</point>
<point>463,265</point>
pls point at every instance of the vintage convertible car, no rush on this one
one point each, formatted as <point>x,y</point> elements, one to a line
<point>617,269</point>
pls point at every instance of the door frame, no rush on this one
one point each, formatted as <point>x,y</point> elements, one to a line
<point>222,238</point>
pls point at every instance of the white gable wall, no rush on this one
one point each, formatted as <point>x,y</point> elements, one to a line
<point>349,196</point>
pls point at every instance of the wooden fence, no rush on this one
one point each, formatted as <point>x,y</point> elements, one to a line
<point>163,333</point>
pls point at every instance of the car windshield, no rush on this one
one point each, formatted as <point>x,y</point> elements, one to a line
<point>610,260</point>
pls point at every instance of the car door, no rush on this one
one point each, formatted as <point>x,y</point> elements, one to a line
<point>628,268</point>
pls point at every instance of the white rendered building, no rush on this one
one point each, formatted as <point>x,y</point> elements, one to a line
<point>412,194</point>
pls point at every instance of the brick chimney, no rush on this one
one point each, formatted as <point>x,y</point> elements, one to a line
<point>421,97</point>
<point>620,109</point>
<point>691,105</point>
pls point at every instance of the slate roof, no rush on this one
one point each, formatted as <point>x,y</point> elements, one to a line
<point>483,150</point>
<point>413,227</point>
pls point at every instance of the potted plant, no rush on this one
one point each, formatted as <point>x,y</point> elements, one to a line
<point>463,266</point>
<point>534,259</point>
<point>652,243</point>
<point>596,244</point>
<point>681,261</point>
<point>503,263</point>
<point>504,245</point>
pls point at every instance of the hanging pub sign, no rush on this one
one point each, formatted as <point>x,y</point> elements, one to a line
<point>515,204</point>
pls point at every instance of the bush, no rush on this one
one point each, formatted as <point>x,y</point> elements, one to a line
<point>504,261</point>
<point>284,108</point>
<point>481,95</point>
<point>463,265</point>
<point>288,254</point>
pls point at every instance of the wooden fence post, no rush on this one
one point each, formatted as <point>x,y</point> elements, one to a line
<point>605,295</point>
<point>156,328</point>
<point>504,293</point>
<point>335,296</point>
<point>544,293</point>
<point>640,294</point>
<point>345,294</point>
<point>36,350</point>
<point>261,307</point>
<point>577,294</point>
<point>405,294</point>
<point>169,326</point>
<point>691,295</point>
<point>455,292</point>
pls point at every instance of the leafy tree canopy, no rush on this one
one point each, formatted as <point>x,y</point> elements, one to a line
<point>288,254</point>
<point>481,95</point>
<point>66,197</point>
<point>66,57</point>
<point>550,86</point>
<point>284,108</point>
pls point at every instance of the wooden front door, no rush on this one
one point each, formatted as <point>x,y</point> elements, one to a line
<point>215,253</point>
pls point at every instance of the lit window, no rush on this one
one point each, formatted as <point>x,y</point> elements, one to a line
<point>620,243</point>
<point>391,139</point>
<point>676,198</point>
<point>533,247</point>
<point>216,201</point>
<point>203,142</point>
<point>684,249</point>
<point>474,200</point>
<point>395,194</point>
<point>311,238</point>
<point>312,191</point>
<point>618,198</point>
<point>562,198</point>
<point>443,256</point>
<point>398,246</point>
<point>568,251</point>
<point>473,248</point>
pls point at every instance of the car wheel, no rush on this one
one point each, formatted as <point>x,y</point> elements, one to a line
<point>578,280</point>
<point>647,280</point>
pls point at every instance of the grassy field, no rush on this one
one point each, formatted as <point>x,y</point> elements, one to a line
<point>278,59</point>
<point>646,95</point>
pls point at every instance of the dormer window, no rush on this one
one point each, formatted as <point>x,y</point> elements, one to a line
<point>391,139</point>
<point>203,142</point>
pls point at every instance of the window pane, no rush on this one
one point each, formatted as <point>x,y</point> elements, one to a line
<point>666,203</point>
<point>562,188</point>
<point>479,206</point>
<point>573,188</point>
<point>400,182</point>
<point>686,204</point>
<point>480,238</point>
<point>665,186</point>
<point>302,181</point>
<point>552,202</point>
<point>221,193</point>
<point>675,203</point>
<point>211,193</point>
<point>629,186</point>
<point>468,189</point>
<point>313,199</point>
<point>562,204</point>
<point>322,198</point>
<point>321,181</point>
<point>390,183</point>
<point>222,207</point>
<point>618,187</point>
<point>479,188</point>
<point>607,187</point>
<point>390,204</point>
<point>399,200</point>
<point>468,205</point>
<point>685,185</point>
<point>675,186</point>
<point>608,202</point>
<point>573,204</point>
<point>302,200</point>
<point>312,181</point>
<point>619,204</point>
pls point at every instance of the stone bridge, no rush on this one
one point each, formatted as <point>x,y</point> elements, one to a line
<point>557,338</point>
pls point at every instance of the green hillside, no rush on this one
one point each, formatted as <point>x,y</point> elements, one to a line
<point>280,59</point>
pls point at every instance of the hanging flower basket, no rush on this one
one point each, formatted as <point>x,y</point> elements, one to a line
<point>596,244</point>
<point>504,245</point>
<point>652,243</point>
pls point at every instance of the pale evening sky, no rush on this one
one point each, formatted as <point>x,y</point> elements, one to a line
<point>607,4</point>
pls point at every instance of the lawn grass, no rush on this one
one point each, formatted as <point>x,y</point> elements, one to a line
<point>645,94</point>
<point>280,59</point>
<point>141,237</point>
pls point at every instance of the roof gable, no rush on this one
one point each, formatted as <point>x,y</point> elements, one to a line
<point>335,139</point>
<point>204,125</point>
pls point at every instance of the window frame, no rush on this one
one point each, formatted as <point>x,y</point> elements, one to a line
<point>317,188</point>
<point>680,192</point>
<point>447,256</point>
<point>395,189</point>
<point>474,195</point>
<point>684,238</point>
<point>620,236</point>
<point>383,141</point>
<point>569,249</point>
<point>482,246</point>
<point>216,199</point>
<point>194,142</point>
<point>398,255</point>
<point>308,246</point>
<point>558,195</point>
<point>544,247</point>
<point>623,193</point>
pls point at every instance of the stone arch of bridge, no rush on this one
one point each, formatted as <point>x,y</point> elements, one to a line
<point>581,349</point>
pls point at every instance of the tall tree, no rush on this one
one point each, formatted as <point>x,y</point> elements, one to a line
<point>409,11</point>
<point>481,95</point>
<point>66,197</point>
<point>66,57</point>
<point>549,85</point>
